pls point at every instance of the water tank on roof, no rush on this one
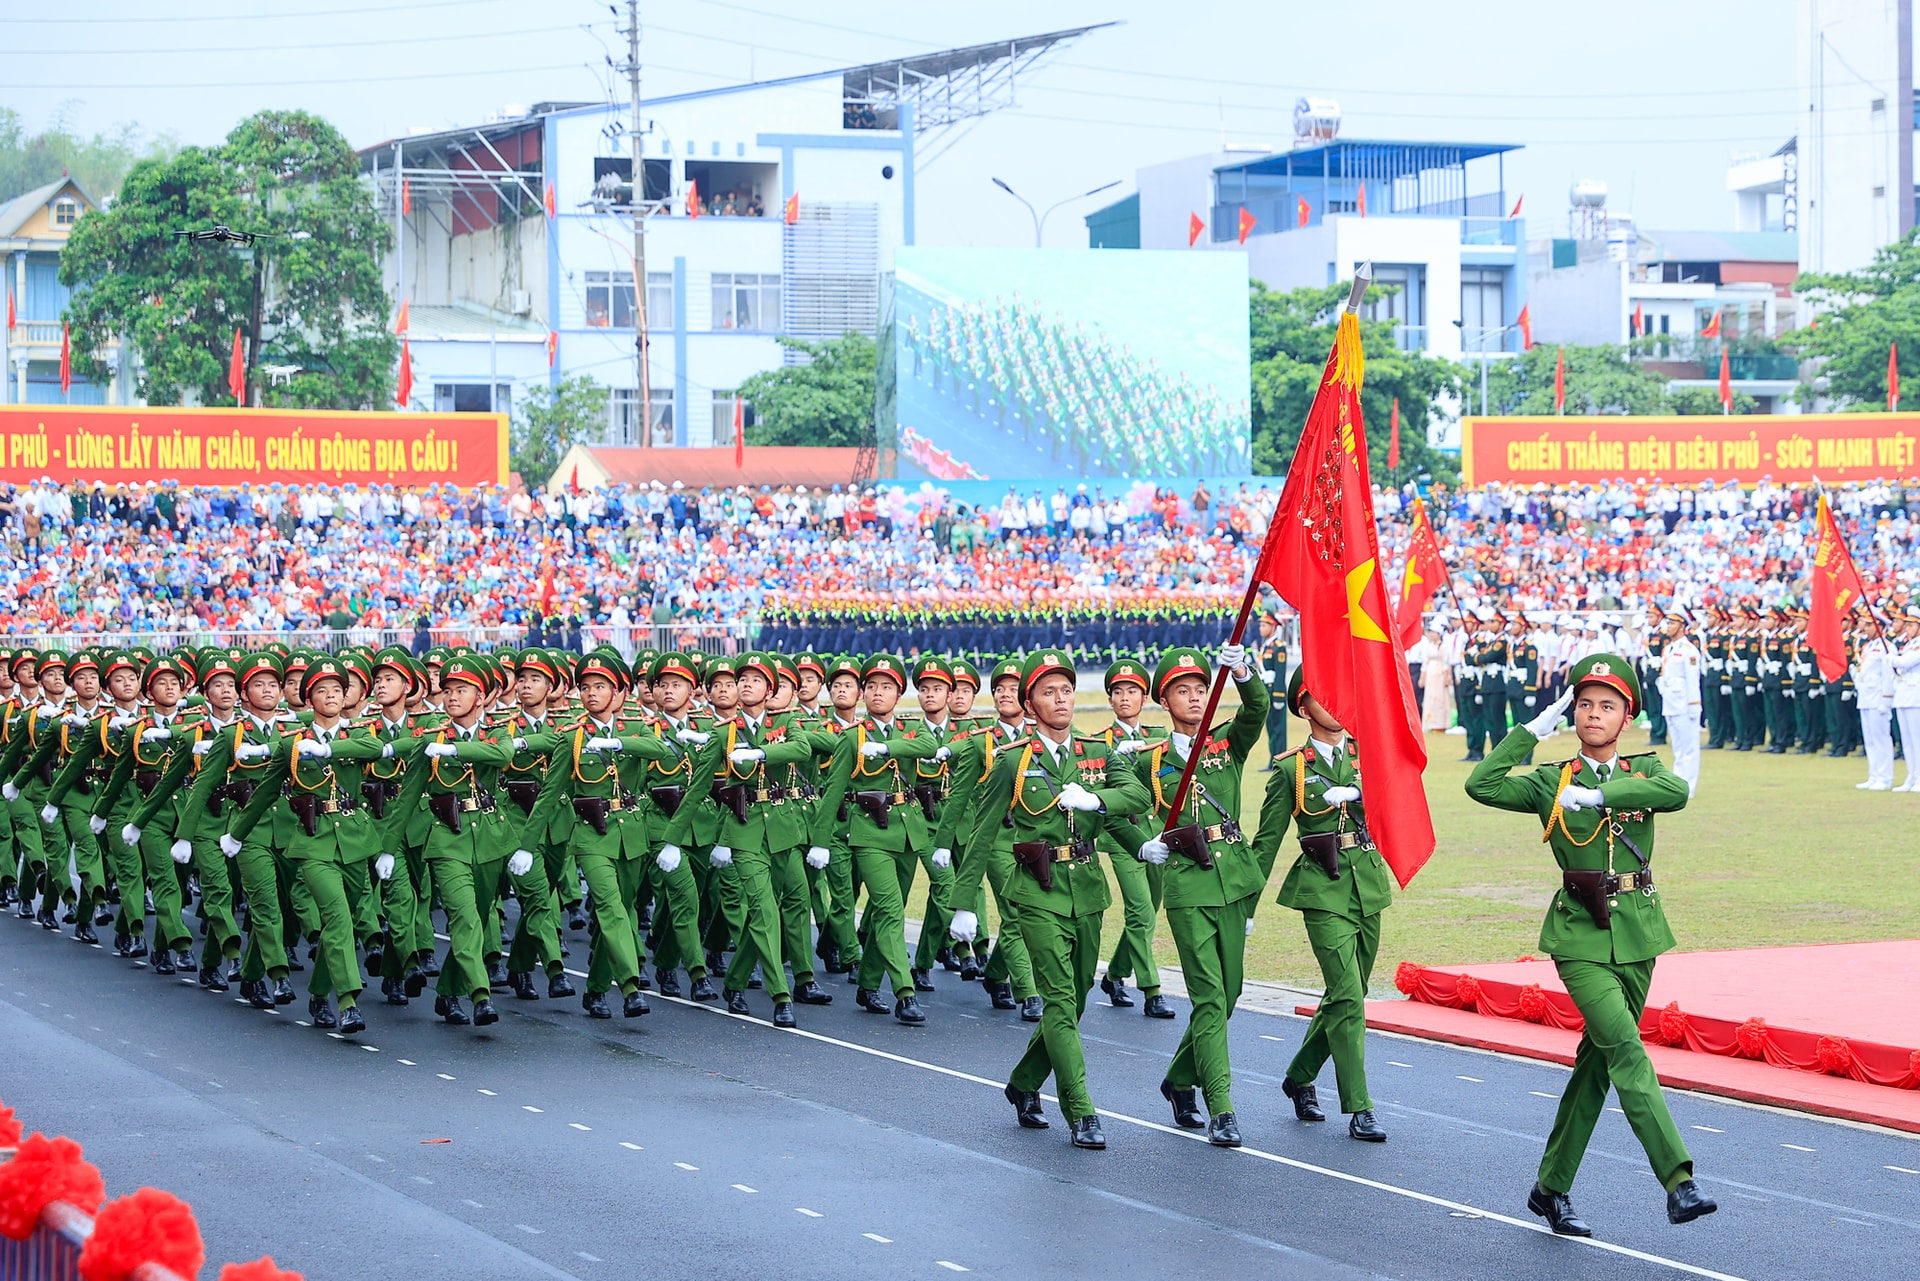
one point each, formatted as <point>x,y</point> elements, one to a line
<point>1315,120</point>
<point>1588,193</point>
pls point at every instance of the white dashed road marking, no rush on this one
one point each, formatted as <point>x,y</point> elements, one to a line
<point>875,1236</point>
<point>577,1126</point>
<point>1900,1169</point>
<point>631,1147</point>
<point>741,1187</point>
<point>528,1107</point>
<point>590,1258</point>
<point>951,1266</point>
<point>489,1093</point>
<point>811,1214</point>
<point>1476,1080</point>
<point>683,1165</point>
<point>1796,1147</point>
<point>1709,1129</point>
<point>530,1231</point>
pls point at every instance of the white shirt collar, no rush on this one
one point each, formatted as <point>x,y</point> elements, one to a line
<point>1601,767</point>
<point>1328,750</point>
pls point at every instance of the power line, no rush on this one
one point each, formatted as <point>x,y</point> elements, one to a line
<point>305,44</point>
<point>1531,142</point>
<point>327,80</point>
<point>215,19</point>
<point>1403,115</point>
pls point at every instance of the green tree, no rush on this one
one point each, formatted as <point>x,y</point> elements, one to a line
<point>828,401</point>
<point>1599,380</point>
<point>1863,314</point>
<point>309,293</point>
<point>546,426</point>
<point>1705,400</point>
<point>1290,336</point>
<point>98,164</point>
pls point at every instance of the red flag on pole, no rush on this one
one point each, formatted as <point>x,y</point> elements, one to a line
<point>1323,556</point>
<point>10,320</point>
<point>406,196</point>
<point>1524,321</point>
<point>403,391</point>
<point>1712,328</point>
<point>553,347</point>
<point>1560,381</point>
<point>1726,384</point>
<point>1835,589</point>
<point>66,356</point>
<point>1393,440</point>
<point>1893,377</point>
<point>400,325</point>
<point>1422,577</point>
<point>1194,229</point>
<point>1246,224</point>
<point>573,481</point>
<point>1363,200</point>
<point>1639,321</point>
<point>693,199</point>
<point>237,370</point>
<point>1301,211</point>
<point>739,434</point>
<point>553,209</point>
<point>793,209</point>
<point>1521,199</point>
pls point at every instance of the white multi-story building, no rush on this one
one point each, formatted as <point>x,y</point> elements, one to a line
<point>1852,180</point>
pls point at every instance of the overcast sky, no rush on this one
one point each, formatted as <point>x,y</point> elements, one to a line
<point>1651,97</point>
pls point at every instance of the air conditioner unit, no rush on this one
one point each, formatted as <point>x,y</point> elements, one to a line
<point>522,300</point>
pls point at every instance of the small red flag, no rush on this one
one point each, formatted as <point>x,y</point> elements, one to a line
<point>237,370</point>
<point>1323,557</point>
<point>66,357</point>
<point>573,481</point>
<point>1726,384</point>
<point>1893,377</point>
<point>1422,577</point>
<point>1560,381</point>
<point>406,196</point>
<point>1246,224</point>
<point>553,347</point>
<point>1712,329</point>
<point>793,209</point>
<point>1393,440</point>
<point>1521,199</point>
<point>1194,229</point>
<point>693,199</point>
<point>553,209</point>
<point>10,320</point>
<point>400,325</point>
<point>739,434</point>
<point>1301,211</point>
<point>403,392</point>
<point>1639,321</point>
<point>1525,323</point>
<point>1835,589</point>
<point>1363,200</point>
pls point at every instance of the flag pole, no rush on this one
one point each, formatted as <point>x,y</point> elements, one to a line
<point>1362,278</point>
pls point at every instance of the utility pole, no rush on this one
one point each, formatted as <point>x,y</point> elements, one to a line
<point>640,372</point>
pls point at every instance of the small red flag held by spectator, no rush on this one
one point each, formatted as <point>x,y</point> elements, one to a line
<point>1246,224</point>
<point>573,481</point>
<point>1194,228</point>
<point>1519,200</point>
<point>237,370</point>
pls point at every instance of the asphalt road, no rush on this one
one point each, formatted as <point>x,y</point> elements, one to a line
<point>697,1144</point>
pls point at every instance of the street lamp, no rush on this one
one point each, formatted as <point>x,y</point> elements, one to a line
<point>1500,335</point>
<point>1040,216</point>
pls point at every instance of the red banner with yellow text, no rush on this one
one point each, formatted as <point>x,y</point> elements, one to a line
<point>230,447</point>
<point>1687,450</point>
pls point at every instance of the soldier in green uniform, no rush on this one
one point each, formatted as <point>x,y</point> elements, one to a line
<point>676,922</point>
<point>1059,789</point>
<point>833,886</point>
<point>1656,646</point>
<point>932,781</point>
<point>1212,875</point>
<point>1604,928</point>
<point>1809,691</point>
<point>1139,882</point>
<point>401,865</point>
<point>1340,885</point>
<point>1270,658</point>
<point>90,752</point>
<point>1521,674</point>
<point>535,737</point>
<point>31,704</point>
<point>1777,683</point>
<point>1716,682</point>
<point>1749,702</point>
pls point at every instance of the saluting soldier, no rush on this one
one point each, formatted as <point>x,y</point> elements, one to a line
<point>1340,885</point>
<point>1059,789</point>
<point>1605,926</point>
<point>1139,882</point>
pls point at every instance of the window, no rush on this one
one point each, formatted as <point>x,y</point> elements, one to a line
<point>623,416</point>
<point>724,403</point>
<point>610,300</point>
<point>746,301</point>
<point>472,398</point>
<point>659,300</point>
<point>1406,306</point>
<point>65,211</point>
<point>1482,308</point>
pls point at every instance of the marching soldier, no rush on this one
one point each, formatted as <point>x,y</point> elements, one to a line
<point>933,682</point>
<point>1604,928</point>
<point>1140,882</point>
<point>402,868</point>
<point>676,921</point>
<point>1520,675</point>
<point>1716,688</point>
<point>529,727</point>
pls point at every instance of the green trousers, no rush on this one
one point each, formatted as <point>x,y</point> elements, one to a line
<point>1779,711</point>
<point>1140,903</point>
<point>883,926</point>
<point>216,902</point>
<point>336,968</point>
<point>400,901</point>
<point>613,957</point>
<point>760,927</point>
<point>676,917</point>
<point>834,908</point>
<point>1011,963</point>
<point>1065,951</point>
<point>266,953</point>
<point>1277,728</point>
<point>1345,949</point>
<point>939,913</point>
<point>1810,716</point>
<point>790,890</point>
<point>1213,952</point>
<point>467,893</point>
<point>154,867</point>
<point>536,939</point>
<point>1611,997</point>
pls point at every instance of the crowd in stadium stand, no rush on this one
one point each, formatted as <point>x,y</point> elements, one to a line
<point>162,558</point>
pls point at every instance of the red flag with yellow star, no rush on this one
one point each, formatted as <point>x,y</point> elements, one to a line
<point>1322,555</point>
<point>1835,590</point>
<point>1422,577</point>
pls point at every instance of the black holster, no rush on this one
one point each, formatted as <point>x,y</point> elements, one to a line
<point>1323,848</point>
<point>593,810</point>
<point>446,807</point>
<point>1037,858</point>
<point>375,790</point>
<point>1189,841</point>
<point>928,794</point>
<point>306,808</point>
<point>668,798</point>
<point>734,796</point>
<point>523,792</point>
<point>879,808</point>
<point>146,780</point>
<point>1592,893</point>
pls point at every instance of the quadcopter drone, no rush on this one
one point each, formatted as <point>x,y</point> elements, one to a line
<point>221,233</point>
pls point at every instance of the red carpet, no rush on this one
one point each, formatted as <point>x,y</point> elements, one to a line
<point>1833,1029</point>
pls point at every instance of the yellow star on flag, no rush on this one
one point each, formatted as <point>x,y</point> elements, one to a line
<point>1359,621</point>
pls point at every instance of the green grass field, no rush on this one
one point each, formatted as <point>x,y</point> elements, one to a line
<point>1773,850</point>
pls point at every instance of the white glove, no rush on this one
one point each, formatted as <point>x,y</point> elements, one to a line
<point>669,860</point>
<point>98,824</point>
<point>1267,674</point>
<point>229,846</point>
<point>9,792</point>
<point>1232,658</point>
<point>1341,795</point>
<point>386,750</point>
<point>1546,722</point>
<point>965,926</point>
<point>1249,927</point>
<point>50,814</point>
<point>519,744</point>
<point>182,852</point>
<point>205,745</point>
<point>873,749</point>
<point>435,751</point>
<point>1130,745</point>
<point>603,745</point>
<point>314,747</point>
<point>258,752</point>
<point>1075,797</point>
<point>130,834</point>
<point>121,722</point>
<point>1153,851</point>
<point>1581,798</point>
<point>74,720</point>
<point>722,856</point>
<point>521,863</point>
<point>693,736</point>
<point>746,756</point>
<point>943,857</point>
<point>818,857</point>
<point>943,754</point>
<point>383,867</point>
<point>1530,700</point>
<point>155,735</point>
